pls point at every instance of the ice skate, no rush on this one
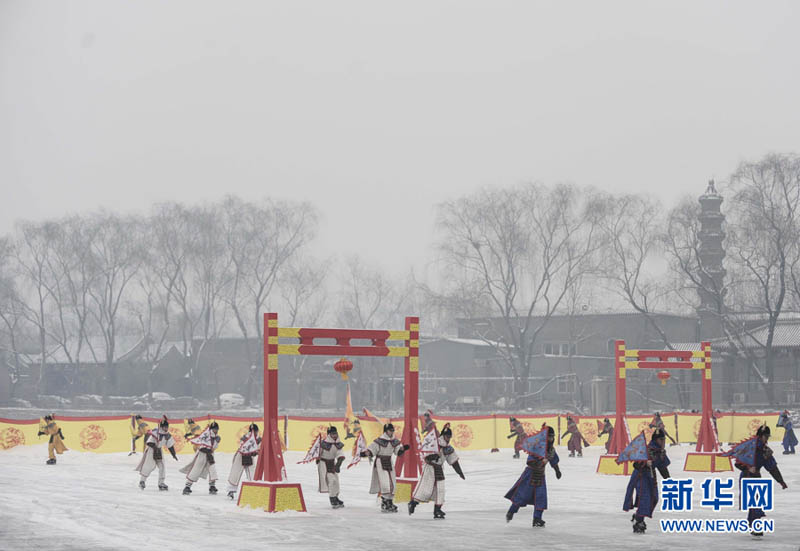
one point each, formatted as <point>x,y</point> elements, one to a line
<point>572,454</point>
<point>141,484</point>
<point>231,494</point>
<point>437,512</point>
<point>639,527</point>
<point>580,454</point>
<point>132,453</point>
<point>187,490</point>
<point>412,505</point>
<point>50,462</point>
<point>162,487</point>
<point>538,523</point>
<point>212,489</point>
<point>509,516</point>
<point>339,503</point>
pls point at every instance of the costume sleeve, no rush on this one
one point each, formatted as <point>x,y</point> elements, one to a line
<point>554,460</point>
<point>170,442</point>
<point>373,448</point>
<point>450,455</point>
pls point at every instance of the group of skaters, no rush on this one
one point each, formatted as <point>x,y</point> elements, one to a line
<point>641,495</point>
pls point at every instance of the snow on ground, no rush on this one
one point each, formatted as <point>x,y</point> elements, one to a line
<point>92,501</point>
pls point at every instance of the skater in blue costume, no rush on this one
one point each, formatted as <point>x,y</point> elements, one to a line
<point>531,487</point>
<point>750,467</point>
<point>644,484</point>
<point>789,439</point>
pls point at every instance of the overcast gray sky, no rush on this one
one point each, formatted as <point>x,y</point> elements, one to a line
<point>377,111</point>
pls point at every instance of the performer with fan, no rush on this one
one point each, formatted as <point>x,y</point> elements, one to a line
<point>243,459</point>
<point>574,442</point>
<point>517,432</point>
<point>608,429</point>
<point>658,424</point>
<point>55,445</point>
<point>202,465</point>
<point>751,456</point>
<point>431,483</point>
<point>138,430</point>
<point>329,464</point>
<point>153,457</point>
<point>531,487</point>
<point>383,477</point>
<point>789,439</point>
<point>642,491</point>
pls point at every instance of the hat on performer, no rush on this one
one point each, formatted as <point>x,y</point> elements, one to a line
<point>388,427</point>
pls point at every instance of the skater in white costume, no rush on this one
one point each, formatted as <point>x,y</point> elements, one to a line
<point>329,464</point>
<point>243,459</point>
<point>153,456</point>
<point>202,466</point>
<point>431,483</point>
<point>383,477</point>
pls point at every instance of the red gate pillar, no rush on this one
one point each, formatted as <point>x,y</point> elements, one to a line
<point>408,466</point>
<point>269,490</point>
<point>706,456</point>
<point>620,439</point>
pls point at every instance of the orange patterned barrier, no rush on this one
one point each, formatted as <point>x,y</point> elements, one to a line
<point>110,434</point>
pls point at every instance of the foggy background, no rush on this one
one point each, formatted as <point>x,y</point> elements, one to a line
<point>377,112</point>
<point>350,163</point>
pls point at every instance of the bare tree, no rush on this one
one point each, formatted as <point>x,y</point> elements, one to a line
<point>117,254</point>
<point>764,231</point>
<point>11,312</point>
<point>525,246</point>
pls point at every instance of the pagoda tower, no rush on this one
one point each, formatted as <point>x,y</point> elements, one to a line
<point>711,253</point>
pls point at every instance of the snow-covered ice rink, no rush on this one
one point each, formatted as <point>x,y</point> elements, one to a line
<point>92,501</point>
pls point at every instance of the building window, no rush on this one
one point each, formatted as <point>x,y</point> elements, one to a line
<point>566,385</point>
<point>559,349</point>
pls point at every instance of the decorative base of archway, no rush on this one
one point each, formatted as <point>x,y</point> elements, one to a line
<point>272,496</point>
<point>608,465</point>
<point>404,490</point>
<point>707,462</point>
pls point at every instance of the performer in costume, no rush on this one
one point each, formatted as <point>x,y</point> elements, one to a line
<point>191,430</point>
<point>658,423</point>
<point>431,483</point>
<point>428,424</point>
<point>763,459</point>
<point>644,483</point>
<point>56,443</point>
<point>329,463</point>
<point>789,439</point>
<point>153,456</point>
<point>243,459</point>
<point>138,430</point>
<point>203,464</point>
<point>574,443</point>
<point>531,487</point>
<point>518,432</point>
<point>383,477</point>
<point>609,430</point>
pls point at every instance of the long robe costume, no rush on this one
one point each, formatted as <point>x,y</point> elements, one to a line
<point>56,442</point>
<point>243,460</point>
<point>203,463</point>
<point>153,456</point>
<point>431,484</point>
<point>642,490</point>
<point>329,464</point>
<point>763,459</point>
<point>531,487</point>
<point>383,477</point>
<point>789,438</point>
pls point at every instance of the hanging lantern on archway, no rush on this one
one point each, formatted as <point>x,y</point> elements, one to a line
<point>342,367</point>
<point>663,376</point>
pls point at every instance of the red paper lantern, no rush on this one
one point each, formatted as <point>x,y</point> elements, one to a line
<point>663,376</point>
<point>342,367</point>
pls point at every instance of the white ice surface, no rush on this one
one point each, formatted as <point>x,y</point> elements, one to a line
<point>92,501</point>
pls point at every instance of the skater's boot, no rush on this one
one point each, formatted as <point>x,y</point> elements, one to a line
<point>339,502</point>
<point>437,512</point>
<point>212,489</point>
<point>580,454</point>
<point>572,454</point>
<point>334,503</point>
<point>187,490</point>
<point>411,506</point>
<point>132,453</point>
<point>538,523</point>
<point>392,507</point>
<point>231,494</point>
<point>141,484</point>
<point>50,462</point>
<point>786,452</point>
<point>516,455</point>
<point>639,527</point>
<point>384,505</point>
<point>510,514</point>
<point>163,487</point>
